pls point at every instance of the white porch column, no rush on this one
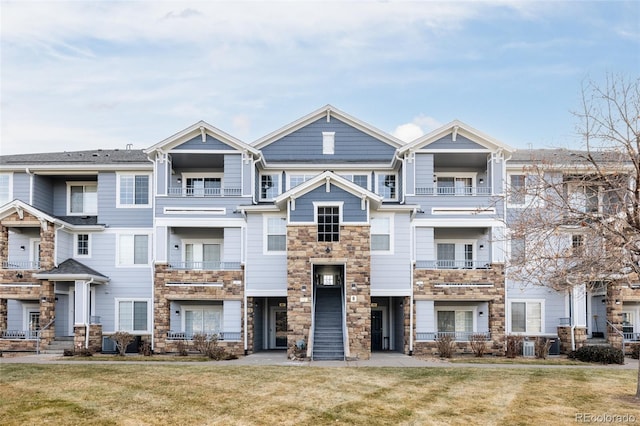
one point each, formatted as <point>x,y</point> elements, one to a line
<point>579,299</point>
<point>82,294</point>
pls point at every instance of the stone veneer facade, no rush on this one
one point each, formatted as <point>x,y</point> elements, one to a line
<point>165,293</point>
<point>469,292</point>
<point>27,287</point>
<point>95,337</point>
<point>303,253</point>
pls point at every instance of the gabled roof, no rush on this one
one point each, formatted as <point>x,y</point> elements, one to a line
<point>20,207</point>
<point>329,178</point>
<point>328,111</point>
<point>455,128</point>
<point>72,270</point>
<point>200,128</point>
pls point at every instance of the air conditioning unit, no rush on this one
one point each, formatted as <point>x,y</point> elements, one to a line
<point>108,345</point>
<point>528,349</point>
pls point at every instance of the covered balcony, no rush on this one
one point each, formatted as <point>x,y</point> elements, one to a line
<point>453,248</point>
<point>455,175</point>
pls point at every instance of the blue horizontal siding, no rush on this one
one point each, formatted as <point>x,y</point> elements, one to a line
<point>461,142</point>
<point>351,210</point>
<point>197,144</point>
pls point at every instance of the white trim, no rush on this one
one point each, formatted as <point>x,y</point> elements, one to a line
<point>9,189</point>
<point>279,184</point>
<point>75,245</point>
<point>116,319</point>
<point>83,184</point>
<point>328,141</point>
<point>377,189</point>
<point>265,235</point>
<point>195,210</point>
<point>307,177</point>
<point>150,190</point>
<point>391,218</point>
<point>463,210</point>
<point>120,234</point>
<point>527,332</point>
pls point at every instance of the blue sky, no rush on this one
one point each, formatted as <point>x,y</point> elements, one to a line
<point>83,75</point>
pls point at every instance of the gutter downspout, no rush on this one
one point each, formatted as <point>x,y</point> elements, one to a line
<point>404,177</point>
<point>31,175</point>
<point>87,323</point>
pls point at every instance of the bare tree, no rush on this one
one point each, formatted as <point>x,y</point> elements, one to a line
<point>580,218</point>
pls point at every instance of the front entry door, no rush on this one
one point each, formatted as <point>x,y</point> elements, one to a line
<point>278,328</point>
<point>376,330</point>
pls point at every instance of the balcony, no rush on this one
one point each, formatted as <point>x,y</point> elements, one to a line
<point>203,192</point>
<point>182,335</point>
<point>205,266</point>
<point>453,191</point>
<point>458,336</point>
<point>452,264</point>
<point>21,264</point>
<point>19,334</point>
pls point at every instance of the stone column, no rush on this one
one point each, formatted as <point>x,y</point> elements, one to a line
<point>47,246</point>
<point>47,312</point>
<point>614,314</point>
<point>161,310</point>
<point>4,243</point>
<point>3,314</point>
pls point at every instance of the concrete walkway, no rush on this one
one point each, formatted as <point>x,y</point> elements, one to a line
<point>279,358</point>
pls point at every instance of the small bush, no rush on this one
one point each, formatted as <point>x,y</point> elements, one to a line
<point>635,351</point>
<point>84,352</point>
<point>446,345</point>
<point>542,346</point>
<point>68,352</point>
<point>514,346</point>
<point>183,348</point>
<point>601,354</point>
<point>145,348</point>
<point>122,339</point>
<point>478,344</point>
<point>208,346</point>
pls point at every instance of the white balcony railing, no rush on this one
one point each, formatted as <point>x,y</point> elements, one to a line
<point>452,264</point>
<point>204,192</point>
<point>460,336</point>
<point>21,264</point>
<point>452,191</point>
<point>19,334</point>
<point>206,266</point>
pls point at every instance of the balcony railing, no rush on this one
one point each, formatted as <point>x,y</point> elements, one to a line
<point>205,266</point>
<point>19,334</point>
<point>452,191</point>
<point>224,335</point>
<point>22,264</point>
<point>204,192</point>
<point>452,264</point>
<point>460,336</point>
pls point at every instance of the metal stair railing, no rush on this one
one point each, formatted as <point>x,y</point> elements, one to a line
<point>40,331</point>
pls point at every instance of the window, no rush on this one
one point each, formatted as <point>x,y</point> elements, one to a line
<point>206,319</point>
<point>360,180</point>
<point>380,233</point>
<point>328,143</point>
<point>202,256</point>
<point>133,315</point>
<point>584,198</point>
<point>454,255</point>
<point>387,186</point>
<point>5,188</point>
<point>577,244</point>
<point>526,317</point>
<point>455,321</point>
<point>295,180</point>
<point>203,186</point>
<point>133,250</point>
<point>82,198</point>
<point>328,223</point>
<point>450,185</point>
<point>276,234</point>
<point>82,244</point>
<point>133,191</point>
<point>269,186</point>
<point>517,189</point>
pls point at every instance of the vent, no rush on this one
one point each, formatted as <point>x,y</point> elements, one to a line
<point>528,349</point>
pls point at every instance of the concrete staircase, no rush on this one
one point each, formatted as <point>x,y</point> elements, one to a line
<point>597,341</point>
<point>58,345</point>
<point>328,343</point>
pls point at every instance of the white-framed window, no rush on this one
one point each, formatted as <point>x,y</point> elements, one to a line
<point>133,190</point>
<point>517,190</point>
<point>381,233</point>
<point>524,190</point>
<point>527,316</point>
<point>133,315</point>
<point>82,244</point>
<point>584,198</point>
<point>202,254</point>
<point>387,185</point>
<point>455,320</point>
<point>276,235</point>
<point>202,319</point>
<point>328,143</point>
<point>6,192</point>
<point>296,179</point>
<point>455,183</point>
<point>270,186</point>
<point>82,198</point>
<point>202,184</point>
<point>454,254</point>
<point>328,219</point>
<point>133,249</point>
<point>360,179</point>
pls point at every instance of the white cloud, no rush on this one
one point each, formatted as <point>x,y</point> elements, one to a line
<point>419,126</point>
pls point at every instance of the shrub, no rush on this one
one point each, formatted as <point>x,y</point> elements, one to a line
<point>208,346</point>
<point>446,345</point>
<point>542,346</point>
<point>183,348</point>
<point>635,351</point>
<point>145,348</point>
<point>478,344</point>
<point>601,354</point>
<point>122,339</point>
<point>514,346</point>
<point>84,352</point>
<point>68,352</point>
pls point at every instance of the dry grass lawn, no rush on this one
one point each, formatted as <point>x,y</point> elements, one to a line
<point>156,394</point>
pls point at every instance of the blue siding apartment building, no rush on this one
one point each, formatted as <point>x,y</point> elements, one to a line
<point>327,232</point>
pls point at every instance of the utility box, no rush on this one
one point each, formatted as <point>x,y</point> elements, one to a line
<point>529,349</point>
